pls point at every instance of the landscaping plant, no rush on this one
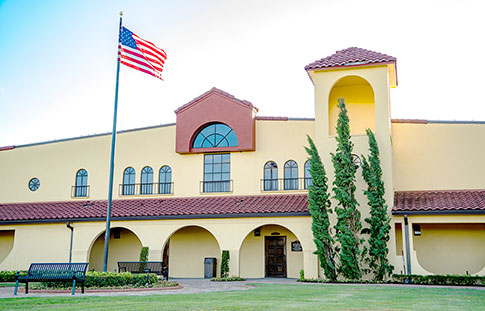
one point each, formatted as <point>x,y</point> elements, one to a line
<point>348,224</point>
<point>225,264</point>
<point>319,207</point>
<point>143,258</point>
<point>379,219</point>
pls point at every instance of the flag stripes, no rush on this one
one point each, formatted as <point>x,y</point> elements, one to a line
<point>140,54</point>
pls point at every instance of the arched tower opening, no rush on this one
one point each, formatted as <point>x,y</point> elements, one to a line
<point>359,99</point>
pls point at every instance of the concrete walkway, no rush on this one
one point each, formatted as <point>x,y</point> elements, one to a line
<point>189,286</point>
<point>192,286</point>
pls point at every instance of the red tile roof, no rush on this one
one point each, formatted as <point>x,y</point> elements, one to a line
<point>416,121</point>
<point>439,201</point>
<point>199,207</point>
<point>263,118</point>
<point>220,92</point>
<point>351,57</point>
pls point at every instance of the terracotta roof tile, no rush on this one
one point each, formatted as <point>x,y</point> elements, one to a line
<point>263,118</point>
<point>416,121</point>
<point>439,201</point>
<point>351,57</point>
<point>160,207</point>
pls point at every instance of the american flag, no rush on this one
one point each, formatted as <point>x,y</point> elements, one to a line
<point>140,54</point>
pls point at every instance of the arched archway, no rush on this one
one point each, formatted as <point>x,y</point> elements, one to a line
<point>359,99</point>
<point>267,251</point>
<point>124,245</point>
<point>186,250</point>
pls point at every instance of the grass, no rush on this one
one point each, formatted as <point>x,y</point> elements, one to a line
<point>273,297</point>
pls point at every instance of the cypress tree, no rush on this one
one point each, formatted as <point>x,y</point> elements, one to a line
<point>379,219</point>
<point>319,206</point>
<point>348,224</point>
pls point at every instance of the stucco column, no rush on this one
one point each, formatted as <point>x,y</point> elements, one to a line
<point>310,264</point>
<point>233,262</point>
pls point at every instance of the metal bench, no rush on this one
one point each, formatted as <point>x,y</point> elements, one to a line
<point>156,267</point>
<point>53,272</point>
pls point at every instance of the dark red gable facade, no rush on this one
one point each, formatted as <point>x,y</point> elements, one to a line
<point>215,106</point>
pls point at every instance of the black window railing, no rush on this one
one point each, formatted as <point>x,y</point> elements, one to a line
<point>285,184</point>
<point>216,186</point>
<point>80,191</point>
<point>146,189</point>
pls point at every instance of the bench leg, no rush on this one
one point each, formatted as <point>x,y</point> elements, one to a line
<point>82,288</point>
<point>26,287</point>
<point>16,287</point>
<point>73,286</point>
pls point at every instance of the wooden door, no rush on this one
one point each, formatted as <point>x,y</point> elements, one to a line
<point>275,256</point>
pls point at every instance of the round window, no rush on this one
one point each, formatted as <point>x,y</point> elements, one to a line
<point>34,184</point>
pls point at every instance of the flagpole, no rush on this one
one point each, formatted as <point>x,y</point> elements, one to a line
<point>112,161</point>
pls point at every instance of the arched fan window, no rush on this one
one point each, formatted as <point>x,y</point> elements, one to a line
<point>215,135</point>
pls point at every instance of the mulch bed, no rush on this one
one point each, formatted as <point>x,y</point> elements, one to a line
<point>101,290</point>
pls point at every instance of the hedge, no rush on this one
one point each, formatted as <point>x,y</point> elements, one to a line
<point>228,279</point>
<point>9,276</point>
<point>110,279</point>
<point>460,280</point>
<point>456,280</point>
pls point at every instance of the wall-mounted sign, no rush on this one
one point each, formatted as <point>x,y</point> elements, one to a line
<point>296,246</point>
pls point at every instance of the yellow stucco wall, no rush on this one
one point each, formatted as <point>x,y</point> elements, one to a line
<point>56,163</point>
<point>6,243</point>
<point>452,244</point>
<point>253,253</point>
<point>359,99</point>
<point>451,248</point>
<point>217,234</point>
<point>438,156</point>
<point>126,248</point>
<point>417,157</point>
<point>188,248</point>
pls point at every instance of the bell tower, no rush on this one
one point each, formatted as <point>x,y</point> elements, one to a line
<point>363,78</point>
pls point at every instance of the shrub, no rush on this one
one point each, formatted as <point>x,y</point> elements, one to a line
<point>143,258</point>
<point>110,279</point>
<point>452,279</point>
<point>302,275</point>
<point>228,279</point>
<point>9,276</point>
<point>225,264</point>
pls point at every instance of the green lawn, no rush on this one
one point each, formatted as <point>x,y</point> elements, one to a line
<point>269,297</point>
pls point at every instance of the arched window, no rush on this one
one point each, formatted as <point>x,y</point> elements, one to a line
<point>81,183</point>
<point>270,182</point>
<point>146,186</point>
<point>129,181</point>
<point>308,176</point>
<point>165,180</point>
<point>215,135</point>
<point>291,175</point>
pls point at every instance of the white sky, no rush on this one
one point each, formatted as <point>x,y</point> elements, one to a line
<point>58,59</point>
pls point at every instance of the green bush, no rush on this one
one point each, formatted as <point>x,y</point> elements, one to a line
<point>110,279</point>
<point>228,279</point>
<point>143,258</point>
<point>225,264</point>
<point>9,276</point>
<point>302,275</point>
<point>460,280</point>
